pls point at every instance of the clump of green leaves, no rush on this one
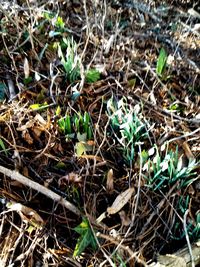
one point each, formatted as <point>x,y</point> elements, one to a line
<point>92,75</point>
<point>192,226</point>
<point>127,126</point>
<point>67,49</point>
<point>71,62</point>
<point>76,124</point>
<point>86,238</point>
<point>56,22</point>
<point>77,127</point>
<point>166,170</point>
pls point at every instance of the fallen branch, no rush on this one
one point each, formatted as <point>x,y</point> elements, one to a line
<point>40,188</point>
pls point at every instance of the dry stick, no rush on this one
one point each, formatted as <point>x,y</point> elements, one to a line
<point>40,188</point>
<point>159,206</point>
<point>187,238</point>
<point>133,255</point>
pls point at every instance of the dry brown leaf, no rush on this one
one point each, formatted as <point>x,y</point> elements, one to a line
<point>25,171</point>
<point>110,181</point>
<point>38,118</point>
<point>37,131</point>
<point>24,127</point>
<point>27,214</point>
<point>26,68</point>
<point>187,150</point>
<point>121,201</point>
<point>70,178</point>
<point>125,220</point>
<point>27,137</point>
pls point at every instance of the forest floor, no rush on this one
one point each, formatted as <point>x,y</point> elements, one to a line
<point>99,131</point>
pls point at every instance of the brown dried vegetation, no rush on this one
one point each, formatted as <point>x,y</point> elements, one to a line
<point>74,175</point>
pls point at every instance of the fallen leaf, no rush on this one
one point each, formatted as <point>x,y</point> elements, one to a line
<point>125,220</point>
<point>27,214</point>
<point>80,148</point>
<point>121,201</point>
<point>24,127</point>
<point>187,151</point>
<point>27,137</point>
<point>26,68</point>
<point>37,131</point>
<point>69,178</point>
<point>110,181</point>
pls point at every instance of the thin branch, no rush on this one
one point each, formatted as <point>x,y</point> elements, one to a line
<point>187,238</point>
<point>40,188</point>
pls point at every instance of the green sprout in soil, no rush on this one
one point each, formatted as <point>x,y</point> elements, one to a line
<point>71,62</point>
<point>167,170</point>
<point>127,126</point>
<point>161,62</point>
<point>3,147</point>
<point>75,125</point>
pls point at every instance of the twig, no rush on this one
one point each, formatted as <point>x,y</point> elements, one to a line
<point>187,238</point>
<point>184,136</point>
<point>133,255</point>
<point>40,188</point>
<point>164,112</point>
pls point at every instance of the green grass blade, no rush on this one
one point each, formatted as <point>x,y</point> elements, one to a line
<point>3,147</point>
<point>161,63</point>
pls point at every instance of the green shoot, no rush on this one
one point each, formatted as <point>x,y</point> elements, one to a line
<point>70,62</point>
<point>161,62</point>
<point>92,75</point>
<point>2,146</point>
<point>76,125</point>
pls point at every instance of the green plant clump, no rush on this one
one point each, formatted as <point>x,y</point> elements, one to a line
<point>192,226</point>
<point>165,171</point>
<point>72,126</point>
<point>127,126</point>
<point>71,62</point>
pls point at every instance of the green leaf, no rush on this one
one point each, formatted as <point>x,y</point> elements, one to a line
<point>60,165</point>
<point>82,137</point>
<point>132,82</point>
<point>58,111</point>
<point>86,238</point>
<point>161,63</point>
<point>27,80</point>
<point>38,106</point>
<point>60,23</point>
<point>82,227</point>
<point>3,147</point>
<point>92,75</point>
<point>80,148</point>
<point>3,89</point>
<point>68,127</point>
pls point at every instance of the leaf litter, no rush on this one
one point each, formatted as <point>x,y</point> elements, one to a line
<point>102,110</point>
